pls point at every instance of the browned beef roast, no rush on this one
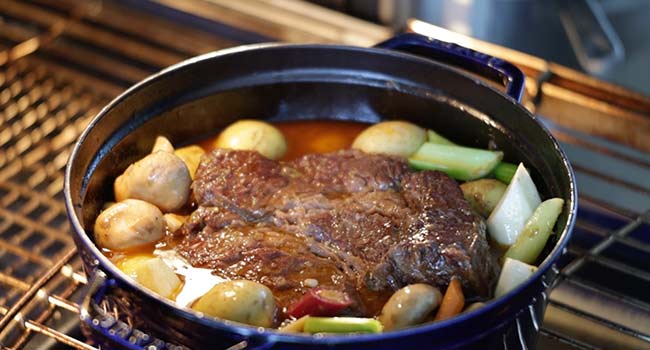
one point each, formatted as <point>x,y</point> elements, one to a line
<point>365,224</point>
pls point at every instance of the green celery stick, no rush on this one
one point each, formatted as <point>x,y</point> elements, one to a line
<point>342,325</point>
<point>504,172</point>
<point>538,228</point>
<point>461,163</point>
<point>436,138</point>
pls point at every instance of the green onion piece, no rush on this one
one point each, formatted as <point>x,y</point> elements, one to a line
<point>461,163</point>
<point>436,138</point>
<point>538,228</point>
<point>342,325</point>
<point>504,172</point>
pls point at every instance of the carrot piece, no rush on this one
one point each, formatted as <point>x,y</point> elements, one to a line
<point>453,301</point>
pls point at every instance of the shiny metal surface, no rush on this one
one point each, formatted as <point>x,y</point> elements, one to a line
<point>52,85</point>
<point>605,38</point>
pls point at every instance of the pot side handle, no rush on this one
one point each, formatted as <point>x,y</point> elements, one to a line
<point>455,55</point>
<point>103,326</point>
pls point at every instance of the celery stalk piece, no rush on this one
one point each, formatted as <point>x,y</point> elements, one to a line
<point>461,163</point>
<point>504,172</point>
<point>538,229</point>
<point>342,325</point>
<point>513,273</point>
<point>436,138</point>
<point>513,210</point>
<point>297,326</point>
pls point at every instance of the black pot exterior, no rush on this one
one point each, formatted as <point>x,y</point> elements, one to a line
<point>287,82</point>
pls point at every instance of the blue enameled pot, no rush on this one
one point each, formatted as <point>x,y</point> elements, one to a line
<point>409,77</point>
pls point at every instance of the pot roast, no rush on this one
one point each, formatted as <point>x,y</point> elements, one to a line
<point>365,224</point>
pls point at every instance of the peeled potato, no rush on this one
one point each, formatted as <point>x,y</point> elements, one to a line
<point>253,135</point>
<point>410,306</point>
<point>152,273</point>
<point>191,155</point>
<point>239,300</point>
<point>483,195</point>
<point>173,221</point>
<point>397,138</point>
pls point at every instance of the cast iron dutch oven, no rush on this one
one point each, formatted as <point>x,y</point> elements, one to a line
<point>408,77</point>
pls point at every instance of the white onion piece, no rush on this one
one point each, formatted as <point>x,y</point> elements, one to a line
<point>513,273</point>
<point>515,207</point>
<point>198,281</point>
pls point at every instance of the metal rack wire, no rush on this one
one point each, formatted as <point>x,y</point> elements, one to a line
<point>59,64</point>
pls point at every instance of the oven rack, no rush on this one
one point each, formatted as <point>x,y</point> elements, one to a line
<point>62,61</point>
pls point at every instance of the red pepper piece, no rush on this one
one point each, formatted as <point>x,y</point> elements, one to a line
<point>320,302</point>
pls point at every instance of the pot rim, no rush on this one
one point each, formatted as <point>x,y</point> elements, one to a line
<point>272,335</point>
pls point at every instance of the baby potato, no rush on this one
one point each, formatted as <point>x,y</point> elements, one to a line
<point>410,306</point>
<point>483,195</point>
<point>128,224</point>
<point>191,155</point>
<point>160,178</point>
<point>241,301</point>
<point>151,272</point>
<point>253,135</point>
<point>397,138</point>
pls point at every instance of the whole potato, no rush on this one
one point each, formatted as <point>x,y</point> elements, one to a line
<point>160,178</point>
<point>253,135</point>
<point>241,301</point>
<point>483,195</point>
<point>397,138</point>
<point>409,306</point>
<point>128,224</point>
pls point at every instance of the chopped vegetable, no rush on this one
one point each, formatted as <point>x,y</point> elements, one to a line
<point>173,221</point>
<point>162,144</point>
<point>409,306</point>
<point>513,210</point>
<point>436,138</point>
<point>513,273</point>
<point>483,195</point>
<point>504,172</point>
<point>253,135</point>
<point>241,301</point>
<point>461,163</point>
<point>191,155</point>
<point>320,302</point>
<point>453,301</point>
<point>295,326</point>
<point>342,325</point>
<point>538,229</point>
<point>397,138</point>
<point>152,273</point>
<point>474,306</point>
